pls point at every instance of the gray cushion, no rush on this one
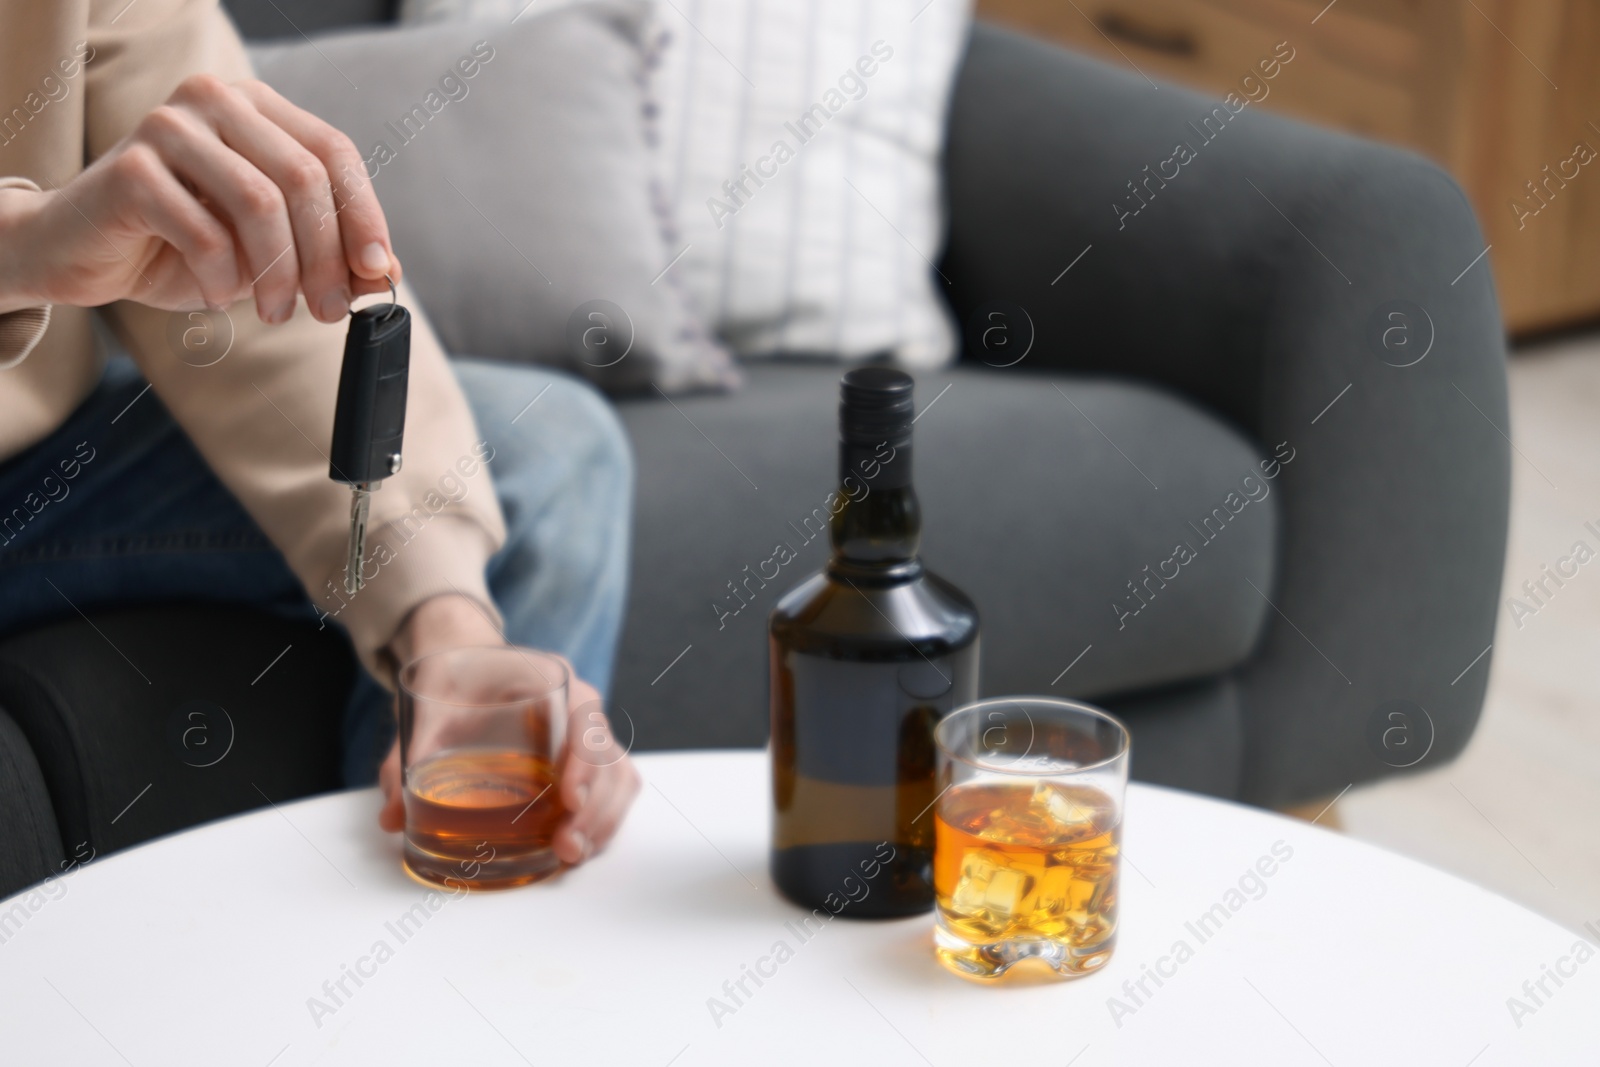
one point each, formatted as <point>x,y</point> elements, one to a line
<point>1040,510</point>
<point>519,196</point>
<point>1189,736</point>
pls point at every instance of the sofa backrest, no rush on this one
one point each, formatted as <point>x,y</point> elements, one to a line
<point>260,19</point>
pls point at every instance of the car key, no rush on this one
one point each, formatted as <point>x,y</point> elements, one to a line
<point>369,418</point>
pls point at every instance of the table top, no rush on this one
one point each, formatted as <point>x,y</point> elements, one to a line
<point>1246,938</point>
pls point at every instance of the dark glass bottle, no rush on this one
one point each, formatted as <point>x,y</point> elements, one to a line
<point>865,658</point>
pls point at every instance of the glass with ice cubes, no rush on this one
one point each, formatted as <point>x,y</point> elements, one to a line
<point>1028,830</point>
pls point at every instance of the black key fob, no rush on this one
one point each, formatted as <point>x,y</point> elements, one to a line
<point>369,420</point>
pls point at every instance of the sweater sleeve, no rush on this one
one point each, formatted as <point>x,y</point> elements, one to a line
<point>23,329</point>
<point>258,401</point>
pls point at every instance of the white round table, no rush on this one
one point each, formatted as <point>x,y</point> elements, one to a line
<point>229,945</point>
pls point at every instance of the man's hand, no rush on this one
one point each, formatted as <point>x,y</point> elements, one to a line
<point>598,781</point>
<point>223,191</point>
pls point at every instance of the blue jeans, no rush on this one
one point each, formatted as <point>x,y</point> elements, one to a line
<point>117,507</point>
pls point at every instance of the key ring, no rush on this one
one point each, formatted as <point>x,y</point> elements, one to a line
<point>394,299</point>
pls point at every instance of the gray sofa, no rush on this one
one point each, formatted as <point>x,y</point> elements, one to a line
<point>1242,323</point>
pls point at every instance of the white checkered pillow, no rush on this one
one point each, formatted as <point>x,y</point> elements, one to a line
<point>800,146</point>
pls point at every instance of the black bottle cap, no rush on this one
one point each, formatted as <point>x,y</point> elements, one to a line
<point>875,405</point>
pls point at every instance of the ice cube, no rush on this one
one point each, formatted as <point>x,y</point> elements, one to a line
<point>990,892</point>
<point>1054,913</point>
<point>1060,807</point>
<point>978,866</point>
<point>1055,888</point>
<point>1075,901</point>
<point>1075,814</point>
<point>1007,890</point>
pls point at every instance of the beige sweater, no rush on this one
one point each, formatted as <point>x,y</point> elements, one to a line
<point>75,77</point>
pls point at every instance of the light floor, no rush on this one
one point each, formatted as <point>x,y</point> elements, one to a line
<point>1519,811</point>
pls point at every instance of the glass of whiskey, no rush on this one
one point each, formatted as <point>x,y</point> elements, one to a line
<point>483,732</point>
<point>1027,836</point>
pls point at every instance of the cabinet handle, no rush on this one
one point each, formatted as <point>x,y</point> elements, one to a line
<point>1172,41</point>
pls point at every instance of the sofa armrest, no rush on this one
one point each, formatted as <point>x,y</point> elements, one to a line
<point>148,720</point>
<point>32,842</point>
<point>1258,278</point>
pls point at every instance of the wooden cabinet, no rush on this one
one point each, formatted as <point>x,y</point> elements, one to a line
<point>1505,94</point>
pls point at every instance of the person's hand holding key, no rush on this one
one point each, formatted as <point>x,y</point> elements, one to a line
<point>223,192</point>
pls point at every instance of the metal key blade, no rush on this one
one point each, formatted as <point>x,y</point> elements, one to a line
<point>360,500</point>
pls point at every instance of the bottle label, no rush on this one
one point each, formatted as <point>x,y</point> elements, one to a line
<point>852,719</point>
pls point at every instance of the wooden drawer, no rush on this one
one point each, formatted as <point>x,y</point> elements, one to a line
<point>1350,70</point>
